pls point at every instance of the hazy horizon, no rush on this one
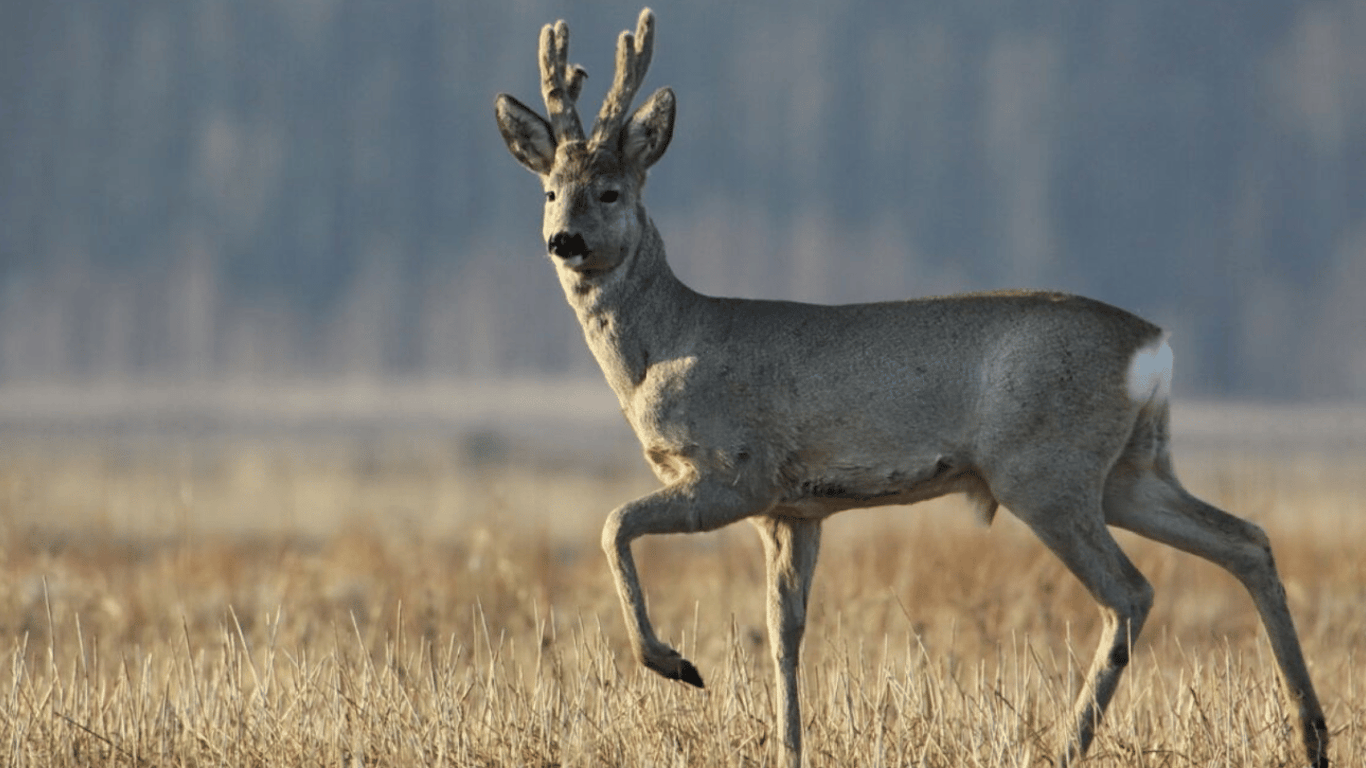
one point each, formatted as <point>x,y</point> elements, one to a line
<point>209,193</point>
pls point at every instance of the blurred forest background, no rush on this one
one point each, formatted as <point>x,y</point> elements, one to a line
<point>257,191</point>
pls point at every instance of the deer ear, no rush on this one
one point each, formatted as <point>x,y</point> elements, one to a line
<point>646,135</point>
<point>528,136</point>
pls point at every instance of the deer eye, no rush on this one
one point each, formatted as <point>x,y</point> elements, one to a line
<point>610,196</point>
<point>550,197</point>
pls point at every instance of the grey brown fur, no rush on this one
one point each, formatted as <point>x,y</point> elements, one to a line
<point>1054,406</point>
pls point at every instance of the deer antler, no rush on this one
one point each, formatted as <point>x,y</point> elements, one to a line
<point>633,58</point>
<point>560,82</point>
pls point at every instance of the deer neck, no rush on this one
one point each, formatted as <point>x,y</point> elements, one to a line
<point>633,314</point>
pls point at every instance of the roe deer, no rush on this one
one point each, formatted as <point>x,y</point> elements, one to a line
<point>783,413</point>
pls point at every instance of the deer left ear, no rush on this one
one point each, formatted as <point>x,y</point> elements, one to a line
<point>646,135</point>
<point>528,136</point>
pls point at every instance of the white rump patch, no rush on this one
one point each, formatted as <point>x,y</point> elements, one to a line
<point>1150,372</point>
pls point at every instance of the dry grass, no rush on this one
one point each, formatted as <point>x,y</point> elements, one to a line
<point>240,602</point>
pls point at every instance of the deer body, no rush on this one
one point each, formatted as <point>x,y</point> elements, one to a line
<point>784,413</point>
<point>856,405</point>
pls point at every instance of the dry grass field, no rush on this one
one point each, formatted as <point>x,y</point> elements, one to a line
<point>397,600</point>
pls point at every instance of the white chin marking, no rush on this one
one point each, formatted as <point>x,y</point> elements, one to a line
<point>1150,372</point>
<point>573,262</point>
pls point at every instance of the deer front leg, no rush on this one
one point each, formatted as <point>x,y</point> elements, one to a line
<point>790,548</point>
<point>688,507</point>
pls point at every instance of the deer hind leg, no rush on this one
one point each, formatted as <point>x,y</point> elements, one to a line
<point>1074,530</point>
<point>689,507</point>
<point>790,548</point>
<point>1146,498</point>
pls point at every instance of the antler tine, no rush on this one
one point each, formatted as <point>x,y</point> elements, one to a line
<point>560,82</point>
<point>577,75</point>
<point>633,59</point>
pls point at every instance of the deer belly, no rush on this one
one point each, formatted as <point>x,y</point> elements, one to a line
<point>832,489</point>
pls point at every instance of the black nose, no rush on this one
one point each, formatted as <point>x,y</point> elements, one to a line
<point>565,245</point>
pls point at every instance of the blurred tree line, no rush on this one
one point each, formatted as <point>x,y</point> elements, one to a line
<point>216,190</point>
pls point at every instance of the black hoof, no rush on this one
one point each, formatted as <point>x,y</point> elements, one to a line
<point>689,674</point>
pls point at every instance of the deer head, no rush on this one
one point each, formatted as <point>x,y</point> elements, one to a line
<point>594,217</point>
